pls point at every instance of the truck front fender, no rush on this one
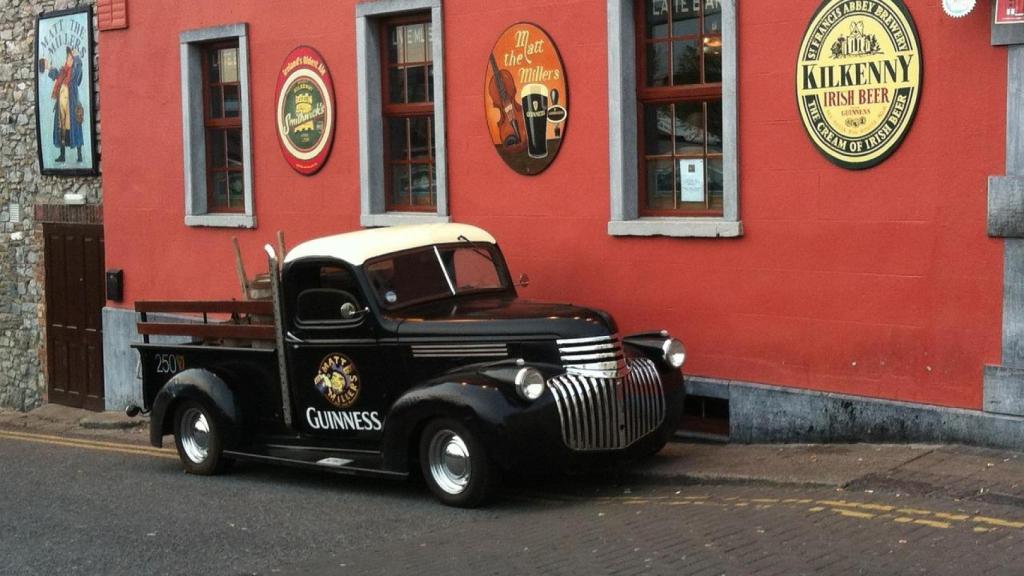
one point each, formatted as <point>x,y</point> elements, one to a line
<point>202,386</point>
<point>481,403</point>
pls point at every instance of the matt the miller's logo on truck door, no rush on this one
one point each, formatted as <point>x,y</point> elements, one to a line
<point>338,381</point>
<point>858,79</point>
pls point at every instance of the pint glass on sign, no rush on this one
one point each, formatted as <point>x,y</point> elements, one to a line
<point>535,108</point>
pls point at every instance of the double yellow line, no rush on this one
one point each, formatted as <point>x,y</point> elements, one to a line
<point>845,508</point>
<point>88,444</point>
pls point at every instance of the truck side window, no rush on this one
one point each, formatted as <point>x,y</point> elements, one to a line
<point>323,305</point>
<point>326,294</point>
<point>338,279</point>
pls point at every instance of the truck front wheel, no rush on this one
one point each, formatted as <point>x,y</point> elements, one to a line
<point>455,464</point>
<point>199,437</point>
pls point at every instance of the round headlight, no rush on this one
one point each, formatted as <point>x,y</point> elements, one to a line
<point>674,352</point>
<point>529,383</point>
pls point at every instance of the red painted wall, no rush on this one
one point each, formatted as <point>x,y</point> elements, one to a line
<point>879,283</point>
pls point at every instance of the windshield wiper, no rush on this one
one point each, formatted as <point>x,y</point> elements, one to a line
<point>480,251</point>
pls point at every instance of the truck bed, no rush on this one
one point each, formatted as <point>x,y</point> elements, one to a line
<point>232,337</point>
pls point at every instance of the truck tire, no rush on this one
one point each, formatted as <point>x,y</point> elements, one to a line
<point>651,449</point>
<point>199,437</point>
<point>455,464</point>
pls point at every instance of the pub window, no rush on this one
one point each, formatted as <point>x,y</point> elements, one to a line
<point>679,100</point>
<point>217,151</point>
<point>408,115</point>
<point>672,118</point>
<point>225,186</point>
<point>400,72</point>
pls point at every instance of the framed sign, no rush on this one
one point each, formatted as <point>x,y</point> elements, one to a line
<point>691,180</point>
<point>1009,11</point>
<point>526,98</point>
<point>305,110</point>
<point>65,113</point>
<point>858,80</point>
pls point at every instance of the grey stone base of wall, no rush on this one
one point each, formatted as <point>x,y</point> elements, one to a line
<point>770,414</point>
<point>120,385</point>
<point>120,361</point>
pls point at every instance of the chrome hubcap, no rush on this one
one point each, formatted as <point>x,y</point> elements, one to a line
<point>449,461</point>
<point>195,435</point>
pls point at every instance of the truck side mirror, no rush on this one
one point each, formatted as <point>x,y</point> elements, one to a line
<point>350,312</point>
<point>319,305</point>
<point>524,280</point>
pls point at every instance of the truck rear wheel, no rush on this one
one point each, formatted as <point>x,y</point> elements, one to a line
<point>455,464</point>
<point>199,437</point>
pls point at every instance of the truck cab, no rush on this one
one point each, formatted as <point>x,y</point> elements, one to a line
<point>407,350</point>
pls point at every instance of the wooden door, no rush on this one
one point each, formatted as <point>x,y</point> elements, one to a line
<point>74,307</point>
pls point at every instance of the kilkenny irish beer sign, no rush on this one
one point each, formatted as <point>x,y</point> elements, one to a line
<point>305,110</point>
<point>525,98</point>
<point>859,79</point>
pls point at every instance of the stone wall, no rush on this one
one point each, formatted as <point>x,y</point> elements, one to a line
<point>22,336</point>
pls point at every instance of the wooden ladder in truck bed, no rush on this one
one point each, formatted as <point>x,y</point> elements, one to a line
<point>251,319</point>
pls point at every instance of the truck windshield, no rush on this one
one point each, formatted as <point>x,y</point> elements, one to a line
<point>435,272</point>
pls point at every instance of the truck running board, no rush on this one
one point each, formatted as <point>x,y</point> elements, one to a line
<point>327,461</point>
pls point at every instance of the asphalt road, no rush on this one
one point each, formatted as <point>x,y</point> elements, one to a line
<point>79,507</point>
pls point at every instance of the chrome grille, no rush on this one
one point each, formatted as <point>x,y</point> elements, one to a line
<point>609,413</point>
<point>598,357</point>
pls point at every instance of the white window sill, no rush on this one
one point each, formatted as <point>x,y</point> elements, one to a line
<point>397,218</point>
<point>677,227</point>
<point>220,220</point>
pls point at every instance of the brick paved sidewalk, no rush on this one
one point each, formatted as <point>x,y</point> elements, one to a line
<point>703,530</point>
<point>960,472</point>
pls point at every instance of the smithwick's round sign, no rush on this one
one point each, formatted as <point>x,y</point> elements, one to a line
<point>858,79</point>
<point>305,110</point>
<point>526,100</point>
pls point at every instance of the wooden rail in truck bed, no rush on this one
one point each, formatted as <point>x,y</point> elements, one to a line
<point>249,319</point>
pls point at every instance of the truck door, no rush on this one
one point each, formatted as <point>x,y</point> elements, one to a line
<point>339,381</point>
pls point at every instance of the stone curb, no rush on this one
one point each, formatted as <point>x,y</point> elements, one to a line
<point>1000,498</point>
<point>101,424</point>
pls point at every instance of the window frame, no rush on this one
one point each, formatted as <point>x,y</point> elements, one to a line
<point>193,44</point>
<point>625,151</point>
<point>369,45</point>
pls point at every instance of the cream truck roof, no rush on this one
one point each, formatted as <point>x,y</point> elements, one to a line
<point>358,247</point>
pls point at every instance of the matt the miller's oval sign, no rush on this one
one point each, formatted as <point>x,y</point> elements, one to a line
<point>305,110</point>
<point>858,79</point>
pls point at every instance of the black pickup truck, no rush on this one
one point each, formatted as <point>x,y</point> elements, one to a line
<point>404,350</point>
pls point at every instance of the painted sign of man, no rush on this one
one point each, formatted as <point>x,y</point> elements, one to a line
<point>67,108</point>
